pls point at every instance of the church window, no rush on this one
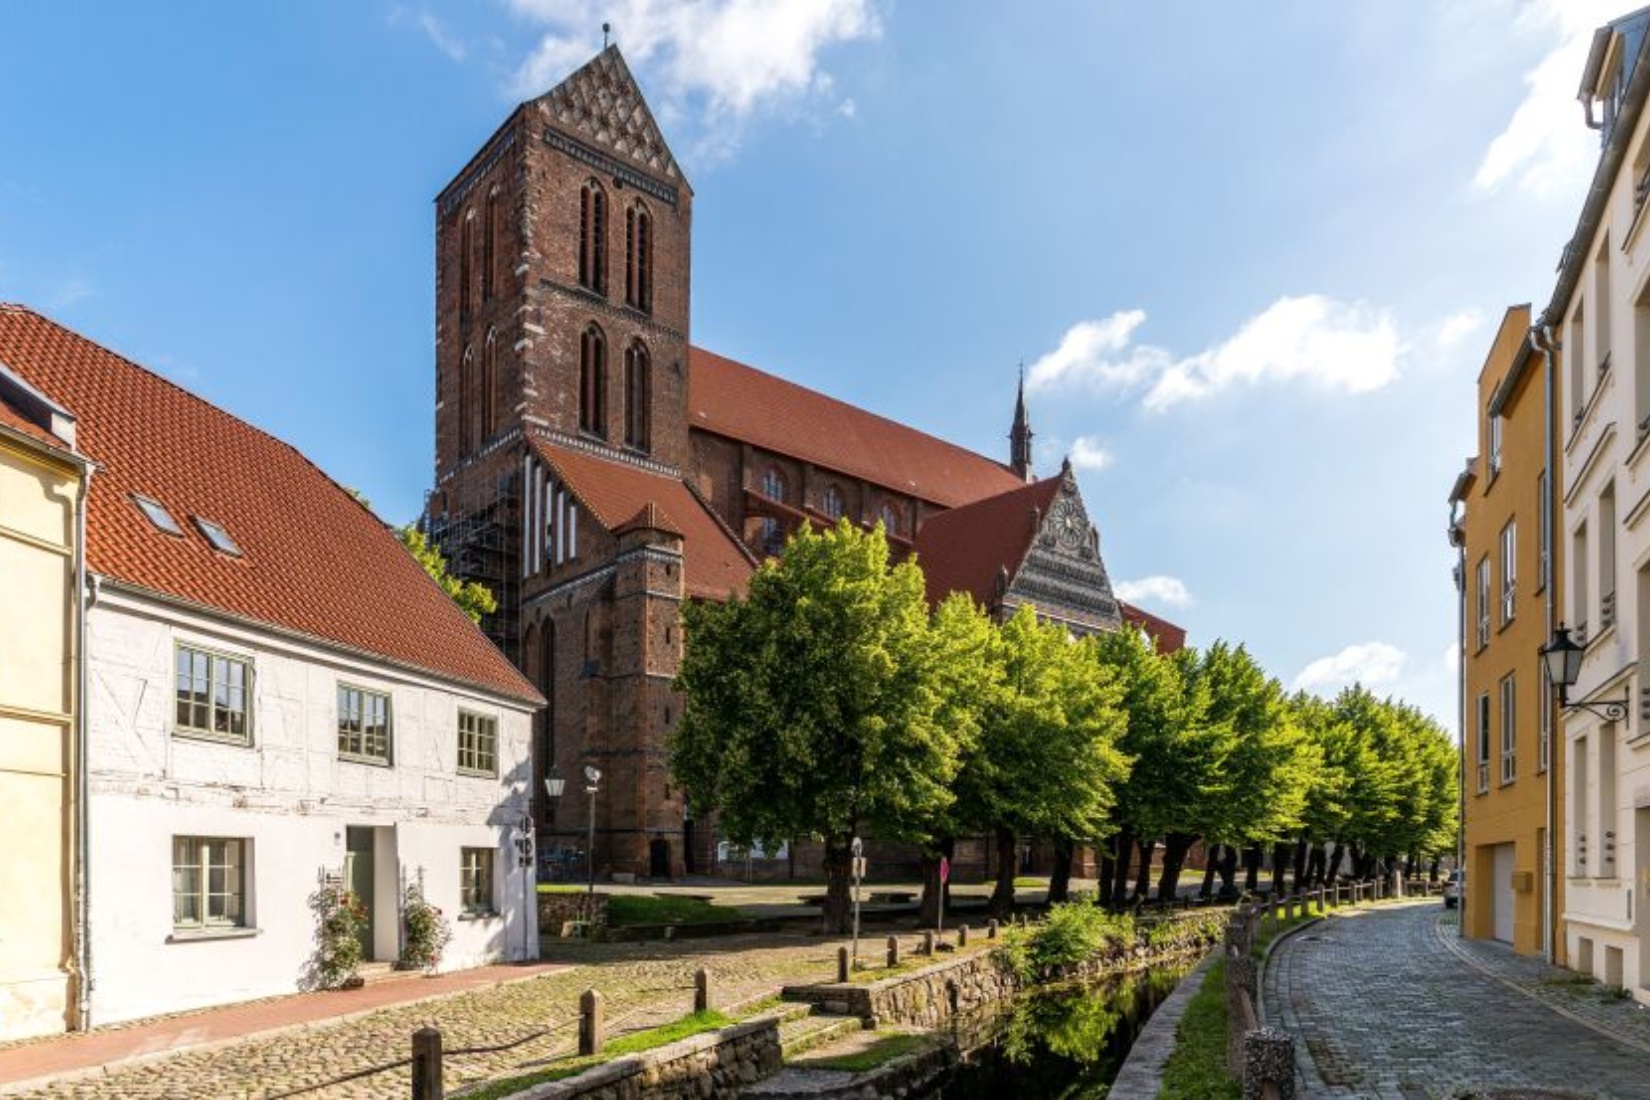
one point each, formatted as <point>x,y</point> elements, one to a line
<point>593,382</point>
<point>489,244</point>
<point>638,378</point>
<point>466,244</point>
<point>466,401</point>
<point>638,258</point>
<point>489,385</point>
<point>593,237</point>
<point>890,519</point>
<point>773,536</point>
<point>773,484</point>
<point>831,504</point>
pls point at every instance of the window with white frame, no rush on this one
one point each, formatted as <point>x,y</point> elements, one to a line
<point>1509,570</point>
<point>1483,743</point>
<point>1495,444</point>
<point>475,881</point>
<point>211,695</point>
<point>1509,730</point>
<point>208,882</point>
<point>1484,602</point>
<point>477,743</point>
<point>363,724</point>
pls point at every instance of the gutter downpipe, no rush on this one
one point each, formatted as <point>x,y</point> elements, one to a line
<point>85,597</point>
<point>1458,538</point>
<point>1541,335</point>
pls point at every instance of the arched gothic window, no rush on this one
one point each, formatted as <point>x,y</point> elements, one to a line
<point>773,484</point>
<point>890,519</point>
<point>466,401</point>
<point>489,244</point>
<point>466,245</point>
<point>831,503</point>
<point>593,381</point>
<point>638,257</point>
<point>593,237</point>
<point>638,396</point>
<point>489,386</point>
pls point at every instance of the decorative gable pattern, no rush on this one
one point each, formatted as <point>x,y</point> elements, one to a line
<point>1062,574</point>
<point>601,104</point>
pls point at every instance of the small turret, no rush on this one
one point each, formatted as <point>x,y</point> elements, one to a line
<point>1019,437</point>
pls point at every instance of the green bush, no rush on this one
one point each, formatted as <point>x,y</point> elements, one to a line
<point>427,932</point>
<point>1073,933</point>
<point>340,919</point>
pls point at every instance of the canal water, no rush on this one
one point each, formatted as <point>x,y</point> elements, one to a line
<point>1063,1044</point>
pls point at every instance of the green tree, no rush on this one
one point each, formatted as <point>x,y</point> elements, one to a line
<point>474,599</point>
<point>1048,761</point>
<point>812,704</point>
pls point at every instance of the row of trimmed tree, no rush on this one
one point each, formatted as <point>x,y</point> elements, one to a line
<point>830,702</point>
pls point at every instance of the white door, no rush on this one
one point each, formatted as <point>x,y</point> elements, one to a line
<point>1501,892</point>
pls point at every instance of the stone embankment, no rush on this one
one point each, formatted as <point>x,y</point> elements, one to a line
<point>705,1067</point>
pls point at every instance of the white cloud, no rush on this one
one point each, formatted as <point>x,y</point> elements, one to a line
<point>1370,664</point>
<point>1088,454</point>
<point>445,41</point>
<point>1458,327</point>
<point>713,63</point>
<point>1159,589</point>
<point>1312,338</point>
<point>71,292</point>
<point>1545,148</point>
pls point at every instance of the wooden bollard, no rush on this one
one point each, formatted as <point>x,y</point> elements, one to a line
<point>701,991</point>
<point>590,1023</point>
<point>893,952</point>
<point>962,936</point>
<point>928,942</point>
<point>426,1064</point>
<point>842,964</point>
<point>991,929</point>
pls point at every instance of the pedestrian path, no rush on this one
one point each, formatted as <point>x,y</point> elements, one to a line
<point>1388,1003</point>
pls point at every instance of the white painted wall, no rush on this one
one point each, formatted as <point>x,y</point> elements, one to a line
<point>290,796</point>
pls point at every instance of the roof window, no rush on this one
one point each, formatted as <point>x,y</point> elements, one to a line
<point>217,536</point>
<point>156,513</point>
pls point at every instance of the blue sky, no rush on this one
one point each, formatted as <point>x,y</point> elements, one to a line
<point>1252,256</point>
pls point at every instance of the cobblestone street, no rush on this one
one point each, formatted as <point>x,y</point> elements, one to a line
<point>1389,1003</point>
<point>644,985</point>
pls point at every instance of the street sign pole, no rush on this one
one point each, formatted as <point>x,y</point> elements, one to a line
<point>858,850</point>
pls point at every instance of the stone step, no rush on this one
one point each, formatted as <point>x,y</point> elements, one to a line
<point>797,1036</point>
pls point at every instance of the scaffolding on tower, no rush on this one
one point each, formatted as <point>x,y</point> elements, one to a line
<point>473,522</point>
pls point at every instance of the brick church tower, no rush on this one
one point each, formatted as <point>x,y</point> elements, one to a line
<point>562,305</point>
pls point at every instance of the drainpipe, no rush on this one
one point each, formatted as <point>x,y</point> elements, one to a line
<point>1542,337</point>
<point>86,591</point>
<point>1458,539</point>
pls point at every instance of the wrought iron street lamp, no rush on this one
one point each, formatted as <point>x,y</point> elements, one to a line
<point>1561,657</point>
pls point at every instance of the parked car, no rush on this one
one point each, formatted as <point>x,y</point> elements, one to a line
<point>1453,886</point>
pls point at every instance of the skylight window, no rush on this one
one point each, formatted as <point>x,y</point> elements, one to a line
<point>156,513</point>
<point>217,536</point>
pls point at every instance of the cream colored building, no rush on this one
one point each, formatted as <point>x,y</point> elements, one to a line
<point>1600,316</point>
<point>41,485</point>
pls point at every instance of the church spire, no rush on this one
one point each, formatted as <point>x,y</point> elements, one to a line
<point>1019,437</point>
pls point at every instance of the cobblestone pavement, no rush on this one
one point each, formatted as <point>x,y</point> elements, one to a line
<point>644,985</point>
<point>1388,1003</point>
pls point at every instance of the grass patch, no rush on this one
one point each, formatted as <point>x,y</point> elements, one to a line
<point>1197,1068</point>
<point>559,888</point>
<point>687,1027</point>
<point>631,909</point>
<point>879,1053</point>
<point>1024,883</point>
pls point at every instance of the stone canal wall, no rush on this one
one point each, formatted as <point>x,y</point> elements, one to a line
<point>705,1067</point>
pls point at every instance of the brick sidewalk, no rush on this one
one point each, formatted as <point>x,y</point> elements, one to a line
<point>644,985</point>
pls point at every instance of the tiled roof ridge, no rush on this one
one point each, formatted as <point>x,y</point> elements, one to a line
<point>859,410</point>
<point>17,307</point>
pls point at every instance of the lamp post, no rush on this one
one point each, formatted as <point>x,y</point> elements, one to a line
<point>1561,657</point>
<point>592,780</point>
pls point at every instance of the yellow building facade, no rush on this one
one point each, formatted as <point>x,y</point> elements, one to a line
<point>41,483</point>
<point>1509,578</point>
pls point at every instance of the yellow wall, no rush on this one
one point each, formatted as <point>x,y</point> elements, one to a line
<point>1510,813</point>
<point>37,509</point>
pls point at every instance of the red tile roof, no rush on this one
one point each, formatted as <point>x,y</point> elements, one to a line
<point>1168,637</point>
<point>15,420</point>
<point>617,494</point>
<point>315,560</point>
<point>743,403</point>
<point>967,548</point>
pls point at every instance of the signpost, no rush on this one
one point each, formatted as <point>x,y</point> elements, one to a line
<point>858,850</point>
<point>945,876</point>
